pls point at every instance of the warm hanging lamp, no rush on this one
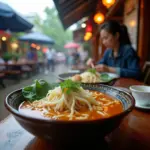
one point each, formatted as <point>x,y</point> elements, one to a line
<point>99,18</point>
<point>87,36</point>
<point>108,3</point>
<point>88,26</point>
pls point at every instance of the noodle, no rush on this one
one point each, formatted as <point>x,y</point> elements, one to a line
<point>60,101</point>
<point>87,77</point>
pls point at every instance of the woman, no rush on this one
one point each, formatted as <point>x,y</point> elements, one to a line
<point>119,57</point>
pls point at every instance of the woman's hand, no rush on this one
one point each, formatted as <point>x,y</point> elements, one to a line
<point>90,62</point>
<point>102,68</point>
<point>105,68</point>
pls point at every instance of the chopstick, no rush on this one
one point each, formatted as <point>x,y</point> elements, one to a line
<point>92,65</point>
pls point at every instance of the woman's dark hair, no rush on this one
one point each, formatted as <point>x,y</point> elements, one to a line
<point>113,27</point>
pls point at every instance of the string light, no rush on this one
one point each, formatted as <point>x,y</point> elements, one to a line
<point>108,3</point>
<point>4,38</point>
<point>99,18</point>
<point>83,25</point>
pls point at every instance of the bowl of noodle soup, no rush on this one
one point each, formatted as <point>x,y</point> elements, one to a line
<point>64,115</point>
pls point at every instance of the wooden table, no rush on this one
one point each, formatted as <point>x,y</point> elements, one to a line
<point>133,133</point>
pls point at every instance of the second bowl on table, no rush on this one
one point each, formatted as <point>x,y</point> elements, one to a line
<point>109,78</point>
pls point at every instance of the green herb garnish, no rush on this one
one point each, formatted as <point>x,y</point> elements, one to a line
<point>38,90</point>
<point>105,77</point>
<point>69,86</point>
<point>92,70</point>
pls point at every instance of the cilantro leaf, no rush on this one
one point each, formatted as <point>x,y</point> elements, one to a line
<point>69,86</point>
<point>92,70</point>
<point>105,77</point>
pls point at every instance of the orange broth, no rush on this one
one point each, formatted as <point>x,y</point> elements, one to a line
<point>107,111</point>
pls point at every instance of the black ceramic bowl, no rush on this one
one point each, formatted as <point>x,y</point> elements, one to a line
<point>66,131</point>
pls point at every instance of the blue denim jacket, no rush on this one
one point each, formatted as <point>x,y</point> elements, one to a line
<point>126,63</point>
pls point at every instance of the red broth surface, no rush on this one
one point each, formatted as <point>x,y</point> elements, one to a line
<point>114,107</point>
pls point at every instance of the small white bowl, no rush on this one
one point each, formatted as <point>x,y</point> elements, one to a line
<point>141,94</point>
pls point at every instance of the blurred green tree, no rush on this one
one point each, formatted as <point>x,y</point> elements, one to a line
<point>52,27</point>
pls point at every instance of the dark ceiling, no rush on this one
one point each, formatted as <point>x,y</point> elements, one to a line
<point>71,11</point>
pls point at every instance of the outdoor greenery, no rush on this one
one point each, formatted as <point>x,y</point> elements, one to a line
<point>52,27</point>
<point>11,55</point>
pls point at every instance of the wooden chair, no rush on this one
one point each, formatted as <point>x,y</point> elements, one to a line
<point>27,72</point>
<point>147,77</point>
<point>146,72</point>
<point>146,65</point>
<point>2,76</point>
